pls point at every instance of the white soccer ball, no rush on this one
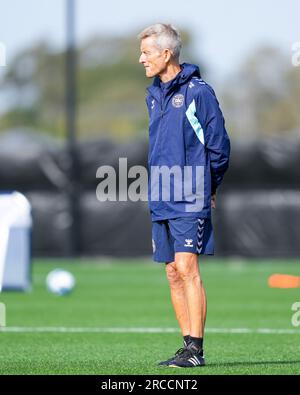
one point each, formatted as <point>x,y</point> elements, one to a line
<point>60,282</point>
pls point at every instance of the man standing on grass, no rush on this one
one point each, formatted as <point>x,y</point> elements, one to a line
<point>188,155</point>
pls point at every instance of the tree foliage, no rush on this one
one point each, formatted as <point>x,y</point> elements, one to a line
<point>261,99</point>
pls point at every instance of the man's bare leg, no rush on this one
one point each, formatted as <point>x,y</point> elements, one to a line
<point>204,305</point>
<point>186,265</point>
<point>178,298</point>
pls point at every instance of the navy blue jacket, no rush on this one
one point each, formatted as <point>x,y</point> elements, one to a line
<point>188,141</point>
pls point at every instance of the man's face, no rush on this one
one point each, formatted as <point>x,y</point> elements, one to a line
<point>152,58</point>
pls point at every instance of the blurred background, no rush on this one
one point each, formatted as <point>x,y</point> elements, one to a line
<point>72,98</point>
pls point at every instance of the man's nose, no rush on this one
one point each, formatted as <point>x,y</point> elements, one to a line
<point>142,59</point>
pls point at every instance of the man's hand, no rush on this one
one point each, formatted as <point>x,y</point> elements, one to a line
<point>213,200</point>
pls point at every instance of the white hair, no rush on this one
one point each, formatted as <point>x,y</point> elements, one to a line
<point>166,37</point>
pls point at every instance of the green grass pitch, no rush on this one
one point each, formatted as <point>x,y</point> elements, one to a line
<point>112,297</point>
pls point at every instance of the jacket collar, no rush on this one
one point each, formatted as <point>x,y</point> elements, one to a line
<point>187,72</point>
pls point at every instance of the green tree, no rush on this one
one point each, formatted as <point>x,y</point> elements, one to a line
<point>111,89</point>
<point>263,98</point>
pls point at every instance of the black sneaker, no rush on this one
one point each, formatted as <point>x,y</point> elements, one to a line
<point>178,352</point>
<point>189,358</point>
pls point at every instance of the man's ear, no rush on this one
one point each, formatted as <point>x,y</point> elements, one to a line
<point>167,55</point>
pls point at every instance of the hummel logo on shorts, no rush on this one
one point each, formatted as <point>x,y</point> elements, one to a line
<point>188,243</point>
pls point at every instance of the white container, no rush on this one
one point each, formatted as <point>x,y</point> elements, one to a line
<point>15,242</point>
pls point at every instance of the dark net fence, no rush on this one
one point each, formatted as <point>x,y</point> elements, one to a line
<point>258,205</point>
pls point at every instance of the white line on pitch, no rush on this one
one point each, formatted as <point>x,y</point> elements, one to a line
<point>20,329</point>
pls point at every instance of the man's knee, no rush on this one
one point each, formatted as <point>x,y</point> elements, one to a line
<point>173,276</point>
<point>187,267</point>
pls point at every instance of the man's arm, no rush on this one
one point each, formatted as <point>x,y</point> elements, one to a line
<point>216,139</point>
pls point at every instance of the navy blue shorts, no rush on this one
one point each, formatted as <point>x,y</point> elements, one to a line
<point>181,235</point>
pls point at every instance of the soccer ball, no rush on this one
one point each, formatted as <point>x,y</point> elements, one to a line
<point>60,282</point>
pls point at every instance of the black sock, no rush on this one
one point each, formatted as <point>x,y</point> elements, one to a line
<point>197,341</point>
<point>186,340</point>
